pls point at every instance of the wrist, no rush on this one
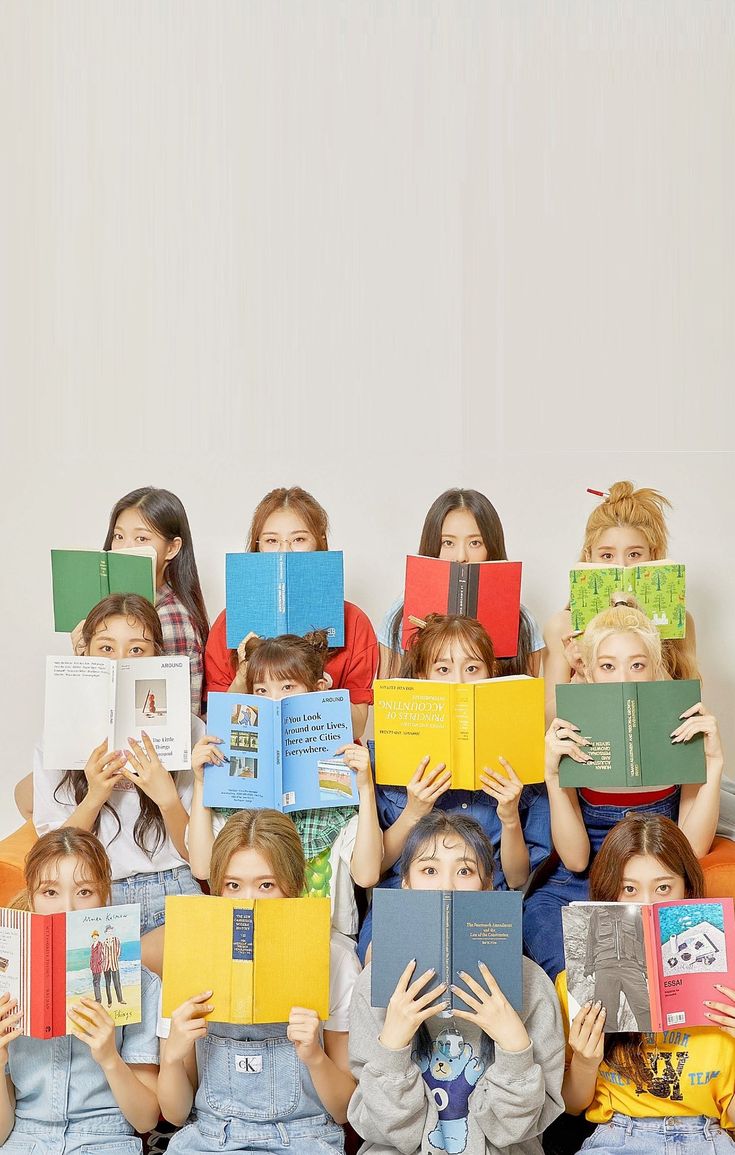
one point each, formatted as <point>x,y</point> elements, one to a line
<point>169,800</point>
<point>110,1063</point>
<point>314,1059</point>
<point>510,825</point>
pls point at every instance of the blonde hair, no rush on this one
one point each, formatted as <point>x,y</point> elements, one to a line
<point>274,836</point>
<point>642,509</point>
<point>622,620</point>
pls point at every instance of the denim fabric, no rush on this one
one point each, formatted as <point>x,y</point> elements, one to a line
<point>150,891</point>
<point>542,928</point>
<point>533,809</point>
<point>63,1102</point>
<point>672,1135</point>
<point>254,1093</point>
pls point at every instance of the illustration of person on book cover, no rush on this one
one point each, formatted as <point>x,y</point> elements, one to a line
<point>112,948</point>
<point>616,956</point>
<point>96,963</point>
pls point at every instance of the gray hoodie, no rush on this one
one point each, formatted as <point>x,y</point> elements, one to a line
<point>517,1096</point>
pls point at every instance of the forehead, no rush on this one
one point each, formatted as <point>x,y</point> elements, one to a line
<point>284,521</point>
<point>454,648</point>
<point>66,867</point>
<point>460,521</point>
<point>450,847</point>
<point>133,519</point>
<point>623,642</point>
<point>621,536</point>
<point>247,863</point>
<point>117,625</point>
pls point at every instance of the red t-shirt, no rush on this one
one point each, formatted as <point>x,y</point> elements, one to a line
<point>352,667</point>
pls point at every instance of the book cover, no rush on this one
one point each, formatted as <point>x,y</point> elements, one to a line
<point>449,931</point>
<point>659,588</point>
<point>88,699</point>
<point>489,591</point>
<point>82,577</point>
<point>264,956</point>
<point>652,966</point>
<point>285,593</point>
<point>468,726</point>
<point>629,727</point>
<point>48,962</point>
<point>280,755</point>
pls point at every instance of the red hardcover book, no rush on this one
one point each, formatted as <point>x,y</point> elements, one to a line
<point>488,590</point>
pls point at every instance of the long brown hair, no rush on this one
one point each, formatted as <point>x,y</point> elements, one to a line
<point>149,825</point>
<point>302,503</point>
<point>288,657</point>
<point>441,630</point>
<point>644,510</point>
<point>645,834</point>
<point>270,833</point>
<point>68,842</point>
<point>491,532</point>
<point>164,513</point>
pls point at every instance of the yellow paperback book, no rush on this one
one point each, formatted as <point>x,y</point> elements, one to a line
<point>469,726</point>
<point>259,957</point>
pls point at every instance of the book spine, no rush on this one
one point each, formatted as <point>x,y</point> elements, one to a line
<point>281,612</point>
<point>447,976</point>
<point>455,594</point>
<point>278,754</point>
<point>104,576</point>
<point>632,737</point>
<point>58,975</point>
<point>462,721</point>
<point>473,590</point>
<point>41,990</point>
<point>653,966</point>
<point>112,719</point>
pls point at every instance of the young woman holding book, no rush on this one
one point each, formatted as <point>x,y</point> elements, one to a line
<point>137,808</point>
<point>431,1080</point>
<point>91,1090</point>
<point>646,1091</point>
<point>156,518</point>
<point>628,528</point>
<point>299,1083</point>
<point>342,846</point>
<point>619,645</point>
<point>291,519</point>
<point>451,648</point>
<point>462,525</point>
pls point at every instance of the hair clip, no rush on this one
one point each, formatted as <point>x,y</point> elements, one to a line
<point>417,622</point>
<point>598,493</point>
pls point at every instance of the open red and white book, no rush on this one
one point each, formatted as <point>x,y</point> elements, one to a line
<point>487,590</point>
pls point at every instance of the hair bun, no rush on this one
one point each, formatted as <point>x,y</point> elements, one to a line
<point>318,640</point>
<point>620,490</point>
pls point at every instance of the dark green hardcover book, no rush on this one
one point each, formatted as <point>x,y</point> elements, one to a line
<point>82,577</point>
<point>629,726</point>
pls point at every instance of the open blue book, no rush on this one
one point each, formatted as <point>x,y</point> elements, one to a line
<point>280,755</point>
<point>449,931</point>
<point>285,593</point>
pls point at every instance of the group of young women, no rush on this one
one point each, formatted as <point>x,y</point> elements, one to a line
<point>415,1076</point>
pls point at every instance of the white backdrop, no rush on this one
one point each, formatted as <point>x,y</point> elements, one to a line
<point>375,250</point>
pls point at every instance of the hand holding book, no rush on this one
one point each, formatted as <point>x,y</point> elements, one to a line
<point>722,1013</point>
<point>491,1011</point>
<point>562,738</point>
<point>506,789</point>
<point>102,771</point>
<point>411,1005</point>
<point>144,768</point>
<point>188,1023</point>
<point>10,1028</point>
<point>303,1032</point>
<point>425,787</point>
<point>91,1024</point>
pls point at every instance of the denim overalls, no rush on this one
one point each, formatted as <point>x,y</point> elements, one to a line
<point>64,1105</point>
<point>542,932</point>
<point>255,1094</point>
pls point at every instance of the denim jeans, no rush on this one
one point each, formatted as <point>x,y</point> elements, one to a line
<point>254,1094</point>
<point>150,891</point>
<point>670,1135</point>
<point>542,931</point>
<point>93,1137</point>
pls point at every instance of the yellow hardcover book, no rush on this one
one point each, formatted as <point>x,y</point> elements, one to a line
<point>412,718</point>
<point>469,726</point>
<point>509,723</point>
<point>258,957</point>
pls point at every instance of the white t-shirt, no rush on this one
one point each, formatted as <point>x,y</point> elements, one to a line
<point>344,968</point>
<point>342,888</point>
<point>126,857</point>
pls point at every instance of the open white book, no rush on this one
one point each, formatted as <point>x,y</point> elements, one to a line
<point>88,699</point>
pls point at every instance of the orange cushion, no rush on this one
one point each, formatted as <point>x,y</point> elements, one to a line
<point>13,851</point>
<point>719,869</point>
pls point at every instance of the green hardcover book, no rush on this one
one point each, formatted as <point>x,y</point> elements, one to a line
<point>82,577</point>
<point>629,727</point>
<point>659,588</point>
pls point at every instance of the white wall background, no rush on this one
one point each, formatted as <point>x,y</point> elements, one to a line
<point>374,249</point>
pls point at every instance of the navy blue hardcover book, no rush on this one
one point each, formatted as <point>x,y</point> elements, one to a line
<point>285,593</point>
<point>449,931</point>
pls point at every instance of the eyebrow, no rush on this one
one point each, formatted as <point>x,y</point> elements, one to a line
<point>111,638</point>
<point>632,657</point>
<point>639,545</point>
<point>460,858</point>
<point>260,878</point>
<point>660,878</point>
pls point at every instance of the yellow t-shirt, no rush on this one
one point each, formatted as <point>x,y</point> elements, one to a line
<point>692,1073</point>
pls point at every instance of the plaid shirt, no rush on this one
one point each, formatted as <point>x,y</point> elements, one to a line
<point>318,828</point>
<point>181,637</point>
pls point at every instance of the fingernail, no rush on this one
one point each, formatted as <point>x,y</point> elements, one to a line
<point>598,1003</point>
<point>719,987</point>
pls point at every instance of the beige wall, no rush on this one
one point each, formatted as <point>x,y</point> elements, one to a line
<point>376,249</point>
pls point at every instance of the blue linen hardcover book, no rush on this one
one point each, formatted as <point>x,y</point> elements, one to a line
<point>280,755</point>
<point>285,593</point>
<point>451,931</point>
